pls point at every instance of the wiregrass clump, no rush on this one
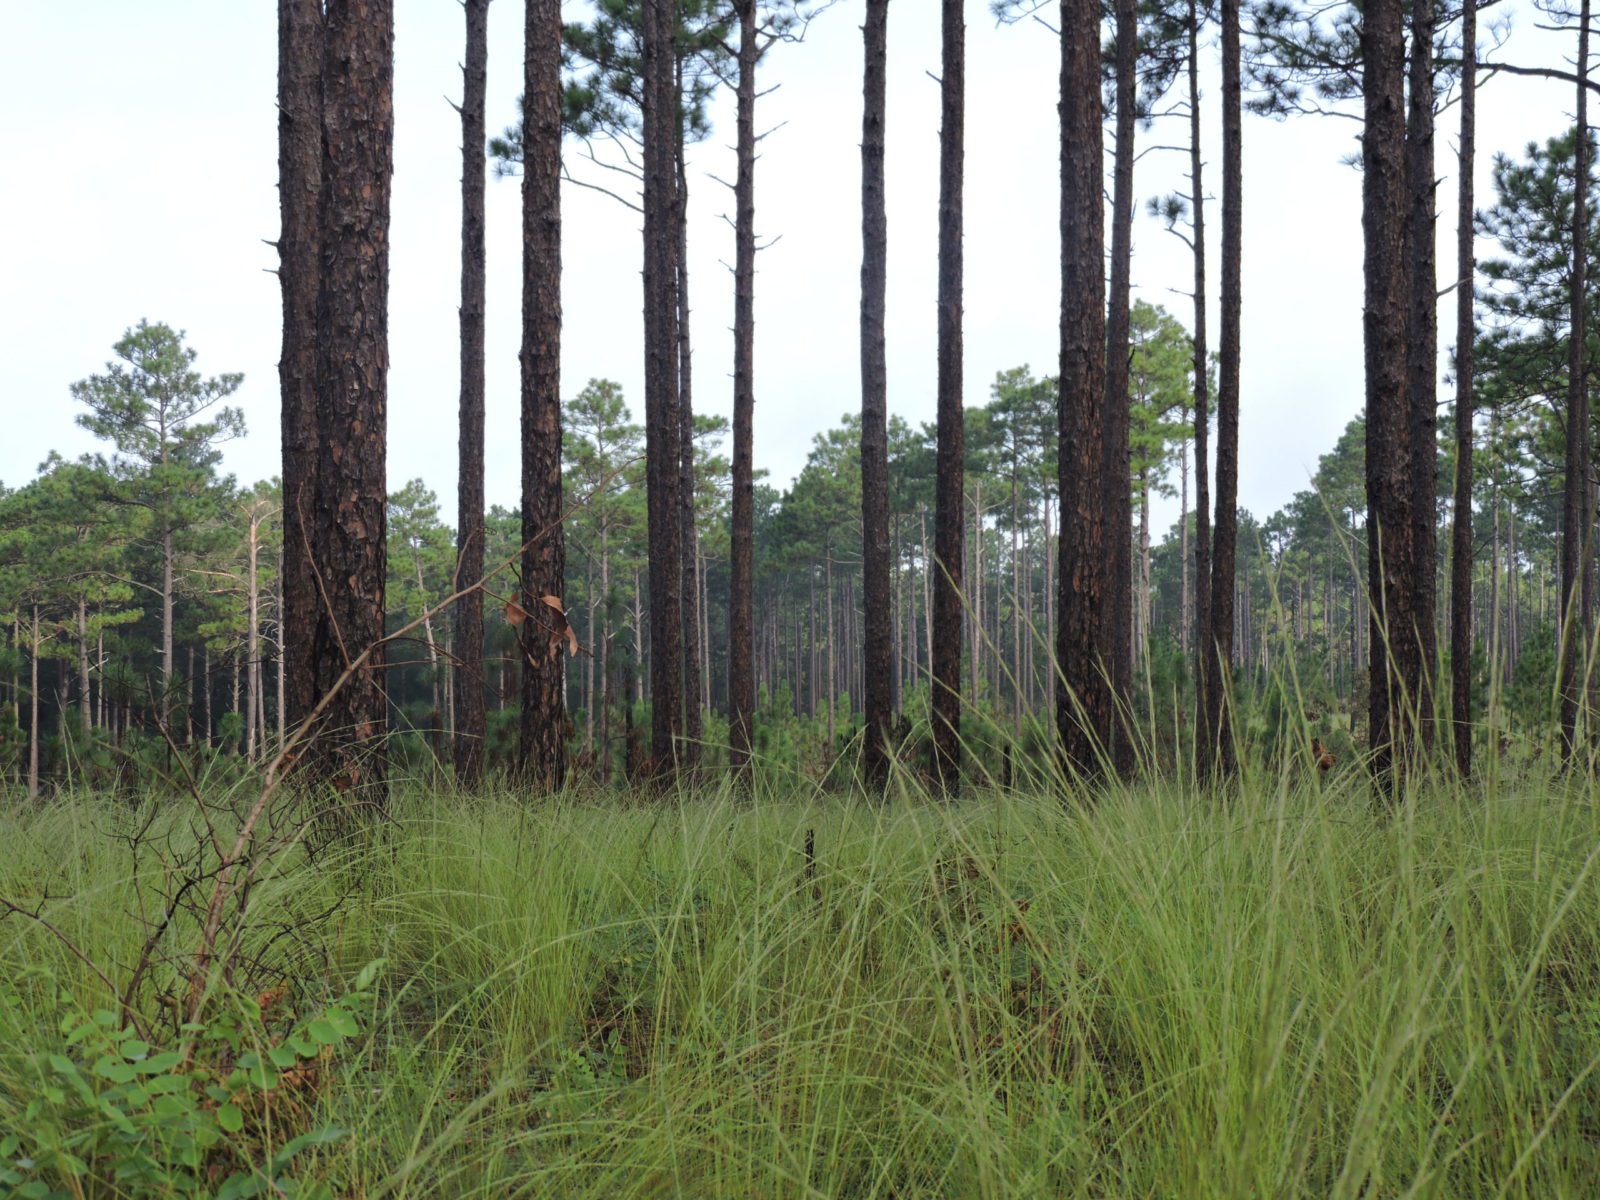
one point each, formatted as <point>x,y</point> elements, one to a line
<point>1158,995</point>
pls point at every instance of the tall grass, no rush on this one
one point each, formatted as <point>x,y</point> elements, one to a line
<point>1283,995</point>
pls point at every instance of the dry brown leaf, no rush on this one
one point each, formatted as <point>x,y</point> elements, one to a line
<point>515,613</point>
<point>560,627</point>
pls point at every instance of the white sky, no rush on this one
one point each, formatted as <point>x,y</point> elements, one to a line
<point>139,138</point>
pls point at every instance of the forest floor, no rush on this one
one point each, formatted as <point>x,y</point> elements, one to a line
<point>1286,994</point>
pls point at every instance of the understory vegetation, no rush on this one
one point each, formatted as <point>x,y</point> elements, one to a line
<point>1268,992</point>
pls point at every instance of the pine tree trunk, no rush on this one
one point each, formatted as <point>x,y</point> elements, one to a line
<point>544,718</point>
<point>688,545</point>
<point>874,400</point>
<point>1118,503</point>
<point>948,533</point>
<point>1085,701</point>
<point>1203,646</point>
<point>471,723</point>
<point>1577,519</point>
<point>300,37</point>
<point>33,708</point>
<point>1422,355</point>
<point>348,521</point>
<point>741,586</point>
<point>1225,532</point>
<point>1389,480</point>
<point>662,420</point>
<point>85,700</point>
<point>252,639</point>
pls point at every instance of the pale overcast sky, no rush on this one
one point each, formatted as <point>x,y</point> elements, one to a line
<point>140,147</point>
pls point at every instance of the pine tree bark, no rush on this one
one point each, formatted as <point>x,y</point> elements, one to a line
<point>662,420</point>
<point>948,535</point>
<point>1220,619</point>
<point>1461,509</point>
<point>1085,699</point>
<point>1117,483</point>
<point>471,727</point>
<point>348,533</point>
<point>299,258</point>
<point>874,400</point>
<point>1577,516</point>
<point>1202,421</point>
<point>1422,356</point>
<point>543,748</point>
<point>1389,481</point>
<point>688,537</point>
<point>741,586</point>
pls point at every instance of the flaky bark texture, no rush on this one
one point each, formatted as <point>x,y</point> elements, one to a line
<point>471,724</point>
<point>1422,355</point>
<point>1461,508</point>
<point>1085,699</point>
<point>1203,654</point>
<point>878,660</point>
<point>1388,467</point>
<point>1577,515</point>
<point>299,256</point>
<point>688,536</point>
<point>1118,501</point>
<point>948,531</point>
<point>348,520</point>
<point>741,599</point>
<point>1225,536</point>
<point>662,432</point>
<point>544,760</point>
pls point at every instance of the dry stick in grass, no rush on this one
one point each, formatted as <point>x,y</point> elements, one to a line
<point>225,886</point>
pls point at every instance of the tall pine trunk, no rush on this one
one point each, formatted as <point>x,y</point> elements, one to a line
<point>1577,517</point>
<point>874,400</point>
<point>741,586</point>
<point>688,544</point>
<point>1118,502</point>
<point>1422,355</point>
<point>1220,619</point>
<point>1389,479</point>
<point>948,532</point>
<point>299,261</point>
<point>1461,509</point>
<point>347,536</point>
<point>471,723</point>
<point>1203,652</point>
<point>662,429</point>
<point>544,759</point>
<point>1085,700</point>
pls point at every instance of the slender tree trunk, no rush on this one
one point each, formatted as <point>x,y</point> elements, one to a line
<point>1203,644</point>
<point>252,639</point>
<point>1185,598</point>
<point>1086,706</point>
<point>1422,356</point>
<point>688,546</point>
<point>1390,483</point>
<point>1225,535</point>
<point>948,533</point>
<point>1577,519</point>
<point>543,749</point>
<point>662,419</point>
<point>300,37</point>
<point>33,709</point>
<point>85,700</point>
<point>348,532</point>
<point>471,723</point>
<point>741,586</point>
<point>1117,483</point>
<point>874,400</point>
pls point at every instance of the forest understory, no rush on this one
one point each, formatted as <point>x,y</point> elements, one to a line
<point>1154,993</point>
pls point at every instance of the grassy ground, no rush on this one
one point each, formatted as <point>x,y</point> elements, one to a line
<point>1284,995</point>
